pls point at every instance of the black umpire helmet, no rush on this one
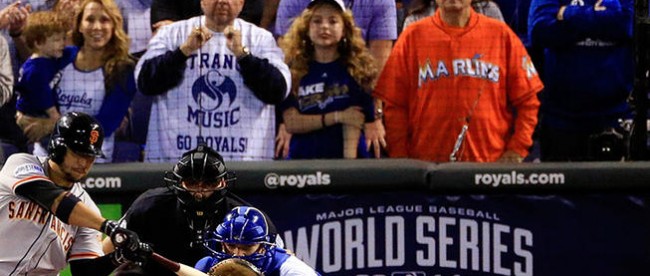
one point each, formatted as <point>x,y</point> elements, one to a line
<point>206,166</point>
<point>79,132</point>
<point>202,164</point>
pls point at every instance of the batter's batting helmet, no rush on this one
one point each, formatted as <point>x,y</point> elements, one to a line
<point>79,132</point>
<point>246,225</point>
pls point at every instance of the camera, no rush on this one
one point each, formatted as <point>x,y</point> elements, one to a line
<point>612,144</point>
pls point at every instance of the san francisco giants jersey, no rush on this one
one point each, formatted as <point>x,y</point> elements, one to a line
<point>32,240</point>
<point>212,104</point>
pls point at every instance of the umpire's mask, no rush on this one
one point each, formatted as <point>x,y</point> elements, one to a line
<point>200,180</point>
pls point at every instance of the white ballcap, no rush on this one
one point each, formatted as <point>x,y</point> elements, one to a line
<point>338,3</point>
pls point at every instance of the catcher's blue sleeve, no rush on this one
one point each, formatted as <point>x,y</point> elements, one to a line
<point>205,264</point>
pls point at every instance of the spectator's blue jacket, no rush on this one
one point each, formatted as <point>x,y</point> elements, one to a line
<point>588,61</point>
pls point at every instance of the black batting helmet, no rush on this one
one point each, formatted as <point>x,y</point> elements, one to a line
<point>79,132</point>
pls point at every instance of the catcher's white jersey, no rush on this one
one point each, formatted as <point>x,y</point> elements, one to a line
<point>295,267</point>
<point>32,240</point>
<point>212,104</point>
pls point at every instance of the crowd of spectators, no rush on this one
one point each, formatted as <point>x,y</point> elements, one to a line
<point>462,82</point>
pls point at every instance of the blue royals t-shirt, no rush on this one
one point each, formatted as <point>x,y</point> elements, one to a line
<point>34,87</point>
<point>327,87</point>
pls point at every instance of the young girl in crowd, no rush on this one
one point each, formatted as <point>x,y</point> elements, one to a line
<point>332,75</point>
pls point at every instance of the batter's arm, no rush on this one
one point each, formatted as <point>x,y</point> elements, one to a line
<point>65,206</point>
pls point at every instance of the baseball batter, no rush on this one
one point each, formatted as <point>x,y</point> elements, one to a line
<point>46,218</point>
<point>216,79</point>
<point>39,241</point>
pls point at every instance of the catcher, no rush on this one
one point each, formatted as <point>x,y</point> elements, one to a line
<point>244,234</point>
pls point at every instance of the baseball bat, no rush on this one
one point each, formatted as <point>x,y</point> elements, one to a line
<point>178,268</point>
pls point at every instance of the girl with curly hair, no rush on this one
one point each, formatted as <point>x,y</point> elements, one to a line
<point>333,75</point>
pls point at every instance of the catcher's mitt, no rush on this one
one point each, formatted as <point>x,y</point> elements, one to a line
<point>234,267</point>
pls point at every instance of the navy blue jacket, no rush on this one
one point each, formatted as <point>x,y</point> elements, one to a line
<point>589,61</point>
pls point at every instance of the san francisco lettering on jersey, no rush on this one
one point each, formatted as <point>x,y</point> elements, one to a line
<point>28,210</point>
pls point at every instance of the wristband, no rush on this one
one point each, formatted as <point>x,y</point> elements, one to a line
<point>65,207</point>
<point>322,120</point>
<point>108,226</point>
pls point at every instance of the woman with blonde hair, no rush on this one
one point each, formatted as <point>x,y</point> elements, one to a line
<point>99,81</point>
<point>333,75</point>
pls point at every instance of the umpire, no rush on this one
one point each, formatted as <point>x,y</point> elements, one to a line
<point>176,218</point>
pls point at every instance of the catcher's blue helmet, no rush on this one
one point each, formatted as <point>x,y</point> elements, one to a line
<point>246,225</point>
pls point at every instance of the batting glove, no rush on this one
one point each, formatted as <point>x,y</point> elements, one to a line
<point>120,236</point>
<point>138,256</point>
